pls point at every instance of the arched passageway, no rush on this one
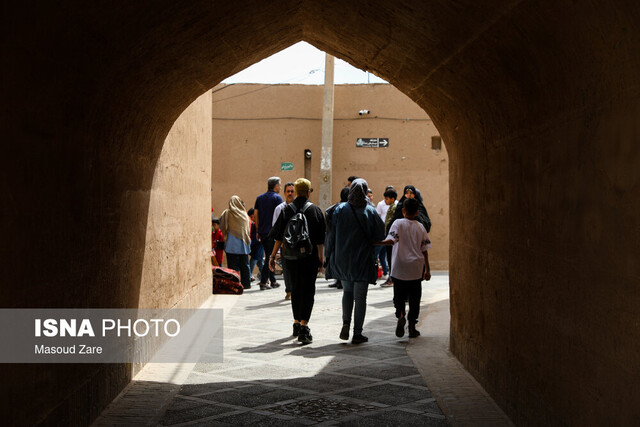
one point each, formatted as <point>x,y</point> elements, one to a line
<point>538,101</point>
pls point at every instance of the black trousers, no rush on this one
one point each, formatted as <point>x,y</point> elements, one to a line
<point>403,289</point>
<point>240,263</point>
<point>302,275</point>
<point>266,275</point>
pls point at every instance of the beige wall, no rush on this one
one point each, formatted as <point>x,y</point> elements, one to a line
<point>177,258</point>
<point>257,127</point>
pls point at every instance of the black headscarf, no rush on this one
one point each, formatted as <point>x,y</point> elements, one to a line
<point>414,191</point>
<point>423,216</point>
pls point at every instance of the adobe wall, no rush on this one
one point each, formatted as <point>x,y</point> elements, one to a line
<point>177,258</point>
<point>258,127</point>
<point>176,272</point>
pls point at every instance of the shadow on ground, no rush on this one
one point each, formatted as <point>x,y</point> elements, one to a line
<point>280,382</point>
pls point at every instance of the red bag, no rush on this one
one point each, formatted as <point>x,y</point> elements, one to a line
<point>226,281</point>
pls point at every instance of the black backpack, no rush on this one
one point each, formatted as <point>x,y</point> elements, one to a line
<point>297,242</point>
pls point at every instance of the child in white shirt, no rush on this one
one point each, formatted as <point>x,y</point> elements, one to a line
<point>409,265</point>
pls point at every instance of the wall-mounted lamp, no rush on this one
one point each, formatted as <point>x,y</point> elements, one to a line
<point>363,112</point>
<point>307,154</point>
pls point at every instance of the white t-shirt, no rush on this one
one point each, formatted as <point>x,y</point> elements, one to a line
<point>411,239</point>
<point>382,209</point>
<point>276,212</point>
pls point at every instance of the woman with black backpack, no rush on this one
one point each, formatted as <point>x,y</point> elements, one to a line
<point>300,232</point>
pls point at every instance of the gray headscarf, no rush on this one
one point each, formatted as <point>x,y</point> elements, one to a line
<point>358,193</point>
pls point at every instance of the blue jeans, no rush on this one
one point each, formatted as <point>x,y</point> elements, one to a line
<point>381,254</point>
<point>354,292</point>
<point>267,275</point>
<point>257,257</point>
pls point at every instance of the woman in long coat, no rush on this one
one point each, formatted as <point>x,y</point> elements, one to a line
<point>349,250</point>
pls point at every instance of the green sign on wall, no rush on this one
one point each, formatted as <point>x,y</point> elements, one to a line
<point>286,166</point>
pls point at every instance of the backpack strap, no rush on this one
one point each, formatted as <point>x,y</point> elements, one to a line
<point>295,209</point>
<point>306,206</point>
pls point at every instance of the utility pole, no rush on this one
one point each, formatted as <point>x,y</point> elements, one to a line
<point>326,157</point>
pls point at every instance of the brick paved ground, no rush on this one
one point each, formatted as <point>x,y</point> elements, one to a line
<point>268,378</point>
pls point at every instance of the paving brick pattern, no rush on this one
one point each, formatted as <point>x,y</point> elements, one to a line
<point>268,378</point>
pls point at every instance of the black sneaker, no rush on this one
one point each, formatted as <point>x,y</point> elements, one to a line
<point>359,339</point>
<point>275,285</point>
<point>400,327</point>
<point>344,332</point>
<point>296,329</point>
<point>264,287</point>
<point>304,336</point>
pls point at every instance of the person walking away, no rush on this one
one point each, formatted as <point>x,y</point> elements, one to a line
<point>256,257</point>
<point>289,195</point>
<point>302,265</point>
<point>410,264</point>
<point>234,224</point>
<point>265,206</point>
<point>349,249</point>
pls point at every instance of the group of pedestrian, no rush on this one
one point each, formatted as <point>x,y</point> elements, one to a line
<point>348,240</point>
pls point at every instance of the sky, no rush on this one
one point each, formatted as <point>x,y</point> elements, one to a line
<point>300,64</point>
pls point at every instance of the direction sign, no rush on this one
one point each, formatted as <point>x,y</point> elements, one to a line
<point>372,142</point>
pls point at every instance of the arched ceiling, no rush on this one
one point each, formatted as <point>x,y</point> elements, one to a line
<point>468,64</point>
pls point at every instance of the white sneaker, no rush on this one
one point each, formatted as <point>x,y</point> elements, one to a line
<point>384,277</point>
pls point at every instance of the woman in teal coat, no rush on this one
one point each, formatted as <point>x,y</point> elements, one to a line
<point>349,250</point>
